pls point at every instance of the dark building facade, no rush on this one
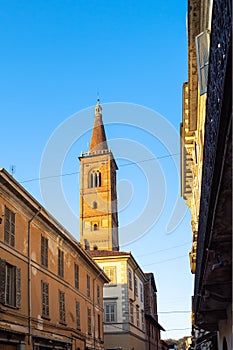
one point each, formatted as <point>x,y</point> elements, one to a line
<point>206,133</point>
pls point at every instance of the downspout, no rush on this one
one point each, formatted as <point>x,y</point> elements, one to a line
<point>94,307</point>
<point>29,275</point>
<point>149,335</point>
<point>95,279</point>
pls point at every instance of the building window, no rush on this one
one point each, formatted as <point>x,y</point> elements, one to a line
<point>99,327</point>
<point>142,320</point>
<point>110,312</point>
<point>89,320</point>
<point>202,49</point>
<point>9,227</point>
<point>60,263</point>
<point>98,295</point>
<point>62,310</point>
<point>138,317</point>
<point>45,299</point>
<point>88,286</point>
<point>131,313</point>
<point>94,205</point>
<point>95,179</point>
<point>111,273</point>
<point>78,323</point>
<point>135,285</point>
<point>44,251</point>
<point>95,227</point>
<point>76,276</point>
<point>141,292</point>
<point>130,279</point>
<point>10,286</point>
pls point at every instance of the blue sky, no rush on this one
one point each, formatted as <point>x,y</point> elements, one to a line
<point>56,56</point>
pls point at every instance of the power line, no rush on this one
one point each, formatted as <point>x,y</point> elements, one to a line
<point>163,250</point>
<point>150,159</point>
<point>163,261</point>
<point>177,329</point>
<point>49,177</point>
<point>77,172</point>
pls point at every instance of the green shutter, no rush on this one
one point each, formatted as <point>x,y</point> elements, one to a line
<point>18,287</point>
<point>2,281</point>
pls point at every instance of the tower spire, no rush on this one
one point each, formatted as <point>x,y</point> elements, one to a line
<point>98,138</point>
<point>98,192</point>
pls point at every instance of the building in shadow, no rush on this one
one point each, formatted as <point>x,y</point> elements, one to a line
<point>206,168</point>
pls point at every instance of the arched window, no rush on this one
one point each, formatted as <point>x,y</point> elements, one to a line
<point>95,227</point>
<point>94,205</point>
<point>95,179</point>
<point>225,347</point>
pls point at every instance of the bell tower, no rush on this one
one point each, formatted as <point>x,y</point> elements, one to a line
<point>98,194</point>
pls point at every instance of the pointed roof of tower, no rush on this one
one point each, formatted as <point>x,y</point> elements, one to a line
<point>98,138</point>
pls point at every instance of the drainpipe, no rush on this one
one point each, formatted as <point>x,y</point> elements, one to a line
<point>94,306</point>
<point>95,279</point>
<point>29,275</point>
<point>149,335</point>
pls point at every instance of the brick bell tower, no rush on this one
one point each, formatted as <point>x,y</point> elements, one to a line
<point>98,194</point>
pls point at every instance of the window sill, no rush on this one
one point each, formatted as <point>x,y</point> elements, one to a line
<point>9,244</point>
<point>46,318</point>
<point>44,266</point>
<point>12,306</point>
<point>110,285</point>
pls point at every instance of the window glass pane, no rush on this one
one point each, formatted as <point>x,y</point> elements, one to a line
<point>202,49</point>
<point>110,312</point>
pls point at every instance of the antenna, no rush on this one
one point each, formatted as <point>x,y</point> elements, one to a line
<point>98,97</point>
<point>12,169</point>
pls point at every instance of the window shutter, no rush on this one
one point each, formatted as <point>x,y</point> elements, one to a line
<point>202,49</point>
<point>12,231</point>
<point>2,281</point>
<point>7,226</point>
<point>78,314</point>
<point>18,287</point>
<point>76,275</point>
<point>44,251</point>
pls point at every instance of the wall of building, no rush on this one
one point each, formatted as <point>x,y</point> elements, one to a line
<point>205,167</point>
<point>126,299</point>
<point>26,323</point>
<point>126,341</point>
<point>225,331</point>
<point>105,214</point>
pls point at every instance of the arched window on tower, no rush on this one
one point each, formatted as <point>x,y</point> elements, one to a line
<point>95,227</point>
<point>94,179</point>
<point>94,205</point>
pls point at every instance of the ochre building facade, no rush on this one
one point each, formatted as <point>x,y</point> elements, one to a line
<point>51,291</point>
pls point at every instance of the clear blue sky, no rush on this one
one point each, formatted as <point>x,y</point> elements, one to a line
<point>55,57</point>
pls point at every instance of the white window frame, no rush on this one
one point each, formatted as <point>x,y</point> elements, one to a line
<point>110,312</point>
